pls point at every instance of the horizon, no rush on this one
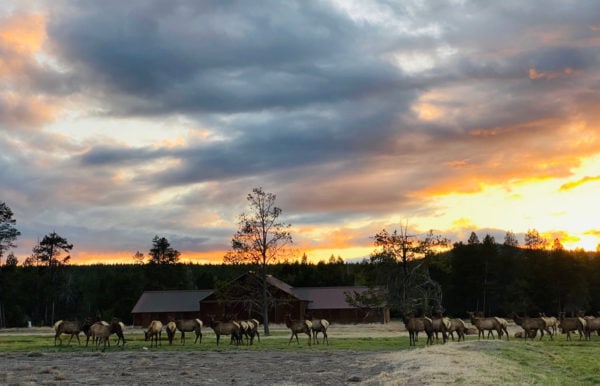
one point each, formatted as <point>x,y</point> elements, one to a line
<point>125,120</point>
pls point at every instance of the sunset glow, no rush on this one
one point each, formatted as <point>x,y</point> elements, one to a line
<point>122,121</point>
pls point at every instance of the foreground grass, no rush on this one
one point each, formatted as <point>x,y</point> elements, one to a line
<point>539,362</point>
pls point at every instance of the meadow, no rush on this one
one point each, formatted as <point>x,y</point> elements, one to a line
<point>369,354</point>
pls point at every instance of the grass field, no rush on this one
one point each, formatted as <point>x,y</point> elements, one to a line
<point>532,362</point>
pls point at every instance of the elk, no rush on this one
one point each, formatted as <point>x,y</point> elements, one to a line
<point>319,325</point>
<point>189,325</point>
<point>225,328</point>
<point>531,325</point>
<point>415,325</point>
<point>153,332</point>
<point>298,326</point>
<point>441,324</point>
<point>458,326</point>
<point>503,327</point>
<point>118,328</point>
<point>253,330</point>
<point>171,329</point>
<point>551,322</point>
<point>100,333</point>
<point>571,324</point>
<point>486,324</point>
<point>72,328</point>
<point>591,324</point>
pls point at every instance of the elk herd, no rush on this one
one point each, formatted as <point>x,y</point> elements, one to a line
<point>246,331</point>
<point>431,326</point>
<point>240,331</point>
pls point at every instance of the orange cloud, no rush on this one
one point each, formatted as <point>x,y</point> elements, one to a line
<point>24,33</point>
<point>592,232</point>
<point>574,184</point>
<point>21,36</point>
<point>535,74</point>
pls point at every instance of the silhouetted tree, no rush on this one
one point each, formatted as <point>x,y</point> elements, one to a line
<point>50,255</point>
<point>510,239</point>
<point>8,231</point>
<point>162,252</point>
<point>410,286</point>
<point>260,240</point>
<point>473,239</point>
<point>533,240</point>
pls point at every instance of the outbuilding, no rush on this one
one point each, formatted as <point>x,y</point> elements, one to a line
<point>238,300</point>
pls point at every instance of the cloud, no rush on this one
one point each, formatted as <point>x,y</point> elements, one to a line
<point>575,184</point>
<point>349,112</point>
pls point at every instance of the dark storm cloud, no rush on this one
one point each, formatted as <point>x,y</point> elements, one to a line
<point>220,57</point>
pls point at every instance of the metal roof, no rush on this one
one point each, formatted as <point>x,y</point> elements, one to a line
<point>318,298</point>
<point>327,297</point>
<point>170,301</point>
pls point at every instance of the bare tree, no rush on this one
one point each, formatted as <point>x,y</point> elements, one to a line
<point>260,240</point>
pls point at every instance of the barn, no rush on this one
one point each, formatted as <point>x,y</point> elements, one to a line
<point>237,300</point>
<point>167,305</point>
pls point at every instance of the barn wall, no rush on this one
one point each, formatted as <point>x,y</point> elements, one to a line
<point>144,319</point>
<point>352,315</point>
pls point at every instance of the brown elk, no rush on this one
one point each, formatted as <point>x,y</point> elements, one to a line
<point>414,325</point>
<point>67,327</point>
<point>551,322</point>
<point>319,325</point>
<point>458,326</point>
<point>571,324</point>
<point>298,326</point>
<point>591,324</point>
<point>171,329</point>
<point>530,326</point>
<point>486,324</point>
<point>154,332</point>
<point>189,325</point>
<point>100,333</point>
<point>225,328</point>
<point>441,324</point>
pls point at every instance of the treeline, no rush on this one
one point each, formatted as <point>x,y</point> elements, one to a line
<point>497,279</point>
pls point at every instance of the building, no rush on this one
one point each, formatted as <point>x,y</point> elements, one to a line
<point>238,300</point>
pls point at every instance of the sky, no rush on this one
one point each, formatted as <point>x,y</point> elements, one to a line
<point>125,120</point>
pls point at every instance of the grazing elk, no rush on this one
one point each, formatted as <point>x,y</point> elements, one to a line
<point>298,326</point>
<point>503,327</point>
<point>189,325</point>
<point>458,326</point>
<point>101,332</point>
<point>118,328</point>
<point>153,333</point>
<point>171,329</point>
